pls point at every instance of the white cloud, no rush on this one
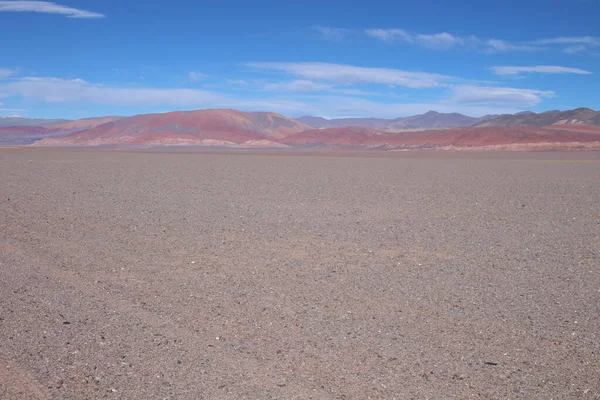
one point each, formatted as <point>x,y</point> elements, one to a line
<point>390,35</point>
<point>196,76</point>
<point>501,46</point>
<point>571,44</point>
<point>306,86</point>
<point>334,100</point>
<point>347,74</point>
<point>590,40</point>
<point>55,90</point>
<point>331,34</point>
<point>498,96</point>
<point>442,40</point>
<point>300,85</point>
<point>6,72</point>
<point>574,49</point>
<point>48,8</point>
<point>237,82</point>
<point>445,41</point>
<point>542,69</point>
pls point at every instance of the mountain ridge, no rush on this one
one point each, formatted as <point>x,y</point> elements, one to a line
<point>436,120</point>
<point>585,116</point>
<point>429,120</point>
<point>187,128</point>
<point>20,121</point>
<point>233,128</point>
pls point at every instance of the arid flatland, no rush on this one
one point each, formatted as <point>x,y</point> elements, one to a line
<point>156,275</point>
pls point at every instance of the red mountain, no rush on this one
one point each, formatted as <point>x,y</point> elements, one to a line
<point>204,127</point>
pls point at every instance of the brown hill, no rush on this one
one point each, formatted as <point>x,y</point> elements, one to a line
<point>204,127</point>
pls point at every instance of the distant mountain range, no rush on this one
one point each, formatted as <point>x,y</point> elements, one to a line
<point>578,116</point>
<point>429,120</point>
<point>436,120</point>
<point>573,129</point>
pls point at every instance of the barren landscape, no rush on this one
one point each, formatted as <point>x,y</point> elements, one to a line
<point>133,275</point>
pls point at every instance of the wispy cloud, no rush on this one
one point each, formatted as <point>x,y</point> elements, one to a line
<point>574,49</point>
<point>502,46</point>
<point>571,44</point>
<point>332,95</point>
<point>6,72</point>
<point>237,82</point>
<point>390,35</point>
<point>331,34</point>
<point>542,69</point>
<point>498,96</point>
<point>442,41</point>
<point>348,74</point>
<point>78,91</point>
<point>324,77</point>
<point>196,76</point>
<point>48,8</point>
<point>56,90</point>
<point>446,41</point>
<point>299,85</point>
<point>591,40</point>
<point>307,86</point>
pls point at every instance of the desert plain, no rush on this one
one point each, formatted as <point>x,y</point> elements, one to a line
<point>289,275</point>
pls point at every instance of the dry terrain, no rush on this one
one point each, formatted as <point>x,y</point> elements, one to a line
<point>182,275</point>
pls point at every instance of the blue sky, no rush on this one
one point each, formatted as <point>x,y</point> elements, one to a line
<point>74,59</point>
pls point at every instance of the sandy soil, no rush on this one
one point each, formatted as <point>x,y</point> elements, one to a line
<point>130,275</point>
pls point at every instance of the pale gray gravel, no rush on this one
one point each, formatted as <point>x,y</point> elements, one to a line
<point>129,275</point>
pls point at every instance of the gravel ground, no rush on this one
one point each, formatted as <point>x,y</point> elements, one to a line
<point>130,275</point>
